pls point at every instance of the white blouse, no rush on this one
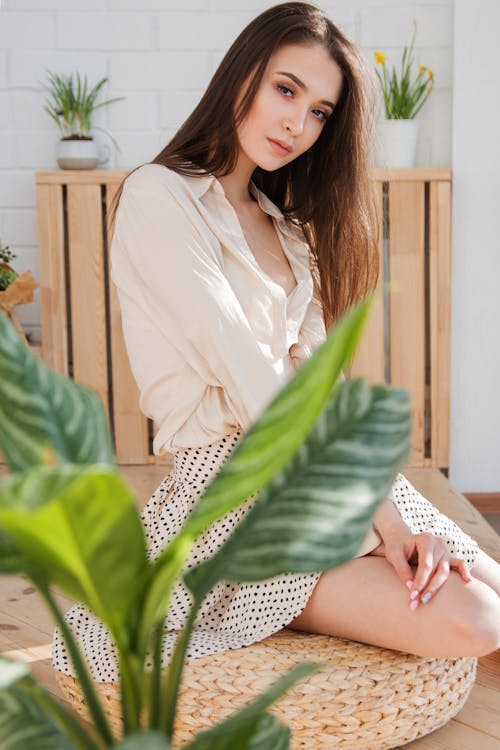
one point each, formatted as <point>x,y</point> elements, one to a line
<point>211,338</point>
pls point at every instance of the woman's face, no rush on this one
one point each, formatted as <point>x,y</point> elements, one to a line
<point>297,93</point>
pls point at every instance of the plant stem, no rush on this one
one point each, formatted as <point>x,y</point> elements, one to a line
<point>96,711</point>
<point>130,694</point>
<point>172,679</point>
<point>64,718</point>
<point>155,688</point>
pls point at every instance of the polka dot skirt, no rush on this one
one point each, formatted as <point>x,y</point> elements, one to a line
<point>233,614</point>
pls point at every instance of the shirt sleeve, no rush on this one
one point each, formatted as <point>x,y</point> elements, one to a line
<point>177,266</point>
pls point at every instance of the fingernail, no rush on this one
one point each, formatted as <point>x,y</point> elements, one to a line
<point>414,594</point>
<point>409,584</point>
<point>426,597</point>
<point>414,604</point>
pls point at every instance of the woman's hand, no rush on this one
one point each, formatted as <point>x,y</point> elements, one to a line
<point>428,552</point>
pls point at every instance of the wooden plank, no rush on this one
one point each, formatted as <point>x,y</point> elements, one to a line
<point>455,736</point>
<point>88,311</point>
<point>130,425</point>
<point>407,300</point>
<point>411,174</point>
<point>104,176</point>
<point>482,710</point>
<point>54,321</point>
<point>440,299</point>
<point>439,490</point>
<point>368,361</point>
<point>81,176</point>
<point>485,502</point>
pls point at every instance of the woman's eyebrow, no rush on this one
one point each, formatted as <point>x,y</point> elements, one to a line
<point>303,86</point>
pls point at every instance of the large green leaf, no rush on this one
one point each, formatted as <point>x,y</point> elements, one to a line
<point>12,560</point>
<point>79,528</point>
<point>46,417</point>
<point>25,725</point>
<point>281,429</point>
<point>252,728</point>
<point>316,512</point>
<point>144,741</point>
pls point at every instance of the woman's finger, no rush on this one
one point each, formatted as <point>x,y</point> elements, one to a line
<point>430,550</point>
<point>462,569</point>
<point>439,577</point>
<point>396,556</point>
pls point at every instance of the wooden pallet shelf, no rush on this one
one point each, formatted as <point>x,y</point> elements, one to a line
<point>406,342</point>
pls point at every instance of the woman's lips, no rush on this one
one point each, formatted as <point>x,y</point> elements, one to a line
<point>277,148</point>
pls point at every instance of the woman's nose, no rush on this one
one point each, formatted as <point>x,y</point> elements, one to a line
<point>295,123</point>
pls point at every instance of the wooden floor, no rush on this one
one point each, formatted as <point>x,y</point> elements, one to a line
<point>25,627</point>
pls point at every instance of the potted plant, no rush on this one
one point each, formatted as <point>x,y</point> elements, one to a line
<point>15,289</point>
<point>71,108</point>
<point>404,97</point>
<point>68,518</point>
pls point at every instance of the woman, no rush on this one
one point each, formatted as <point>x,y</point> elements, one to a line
<point>247,236</point>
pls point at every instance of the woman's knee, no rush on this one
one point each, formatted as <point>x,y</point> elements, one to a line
<point>477,620</point>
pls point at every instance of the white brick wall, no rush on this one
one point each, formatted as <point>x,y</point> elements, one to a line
<point>160,55</point>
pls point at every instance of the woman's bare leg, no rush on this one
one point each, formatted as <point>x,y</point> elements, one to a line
<point>487,570</point>
<point>364,600</point>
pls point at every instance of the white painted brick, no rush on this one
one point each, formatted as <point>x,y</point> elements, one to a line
<point>55,4</point>
<point>176,106</point>
<point>3,70</point>
<point>27,31</point>
<point>381,4</point>
<point>434,26</point>
<point>20,226</point>
<point>29,68</point>
<point>27,112</point>
<point>105,31</point>
<point>186,30</point>
<point>17,188</point>
<point>135,112</point>
<point>5,109</point>
<point>163,5</point>
<point>36,150</point>
<point>157,71</point>
<point>7,151</point>
<point>257,6</point>
<point>137,148</point>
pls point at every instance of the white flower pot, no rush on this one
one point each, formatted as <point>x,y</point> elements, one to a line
<point>396,143</point>
<point>80,154</point>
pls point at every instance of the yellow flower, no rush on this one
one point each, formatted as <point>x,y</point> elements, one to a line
<point>422,68</point>
<point>431,74</point>
<point>380,58</point>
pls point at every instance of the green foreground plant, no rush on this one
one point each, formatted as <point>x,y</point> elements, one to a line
<point>312,471</point>
<point>404,97</point>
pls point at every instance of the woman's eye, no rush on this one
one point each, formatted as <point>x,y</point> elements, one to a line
<point>324,116</point>
<point>284,89</point>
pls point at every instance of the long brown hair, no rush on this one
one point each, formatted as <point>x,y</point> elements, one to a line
<point>327,190</point>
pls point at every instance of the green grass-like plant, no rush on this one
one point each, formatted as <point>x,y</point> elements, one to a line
<point>312,471</point>
<point>73,103</point>
<point>404,96</point>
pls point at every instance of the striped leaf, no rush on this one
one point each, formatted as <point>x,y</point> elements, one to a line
<point>281,429</point>
<point>25,725</point>
<point>316,512</point>
<point>46,417</point>
<point>144,741</point>
<point>79,528</point>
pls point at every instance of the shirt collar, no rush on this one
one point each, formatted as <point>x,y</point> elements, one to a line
<point>206,181</point>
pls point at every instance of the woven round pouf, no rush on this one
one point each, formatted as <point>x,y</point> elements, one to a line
<point>364,696</point>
